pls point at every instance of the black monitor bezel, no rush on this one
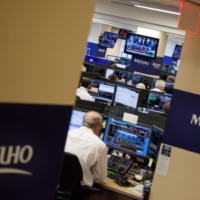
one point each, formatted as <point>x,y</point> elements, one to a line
<point>133,153</point>
<point>135,54</point>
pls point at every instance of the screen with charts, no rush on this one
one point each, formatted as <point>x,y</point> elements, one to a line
<point>155,141</point>
<point>133,79</point>
<point>109,39</point>
<point>141,45</point>
<point>76,119</point>
<point>102,91</point>
<point>168,86</point>
<point>126,97</point>
<point>127,137</point>
<point>157,100</point>
<point>168,69</point>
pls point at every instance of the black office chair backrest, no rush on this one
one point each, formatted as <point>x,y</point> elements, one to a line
<point>71,174</point>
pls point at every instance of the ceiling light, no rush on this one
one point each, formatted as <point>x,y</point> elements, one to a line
<point>156,9</point>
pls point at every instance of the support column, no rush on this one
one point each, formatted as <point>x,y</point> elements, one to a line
<point>182,130</point>
<point>41,49</point>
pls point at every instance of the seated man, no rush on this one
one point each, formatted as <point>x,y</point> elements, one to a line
<point>90,150</point>
<point>83,90</point>
<point>166,108</point>
<point>159,86</point>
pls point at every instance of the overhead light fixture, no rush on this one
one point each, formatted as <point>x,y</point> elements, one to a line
<point>159,10</point>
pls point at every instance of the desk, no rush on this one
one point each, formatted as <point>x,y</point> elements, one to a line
<point>110,185</point>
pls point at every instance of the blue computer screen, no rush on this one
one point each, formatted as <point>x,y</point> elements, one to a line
<point>127,137</point>
<point>134,79</point>
<point>157,100</point>
<point>76,119</point>
<point>102,91</point>
<point>91,59</point>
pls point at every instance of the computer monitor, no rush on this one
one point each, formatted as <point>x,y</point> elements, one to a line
<point>168,86</point>
<point>121,75</point>
<point>113,58</point>
<point>102,91</point>
<point>109,72</point>
<point>147,80</point>
<point>127,137</point>
<point>89,105</point>
<point>127,97</point>
<point>157,100</point>
<point>134,79</point>
<point>168,69</point>
<point>155,142</point>
<point>76,119</point>
<point>120,65</point>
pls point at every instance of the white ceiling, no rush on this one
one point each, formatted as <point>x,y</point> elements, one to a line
<point>172,5</point>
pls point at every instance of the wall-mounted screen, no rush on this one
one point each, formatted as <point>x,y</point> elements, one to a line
<point>141,45</point>
<point>109,39</point>
<point>123,34</point>
<point>177,52</point>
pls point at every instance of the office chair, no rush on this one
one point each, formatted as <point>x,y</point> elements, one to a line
<point>71,175</point>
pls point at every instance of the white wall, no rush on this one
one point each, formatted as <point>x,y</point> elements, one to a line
<point>125,16</point>
<point>95,31</point>
<point>170,47</point>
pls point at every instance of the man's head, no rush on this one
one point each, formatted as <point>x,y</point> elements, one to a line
<point>160,84</point>
<point>86,83</point>
<point>112,77</point>
<point>171,79</point>
<point>93,121</point>
<point>166,107</point>
<point>141,86</point>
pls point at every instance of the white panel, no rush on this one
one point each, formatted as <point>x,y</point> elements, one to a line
<point>170,47</point>
<point>95,31</point>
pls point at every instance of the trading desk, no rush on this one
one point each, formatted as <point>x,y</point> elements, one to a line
<point>110,185</point>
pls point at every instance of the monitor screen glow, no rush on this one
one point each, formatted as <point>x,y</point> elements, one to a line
<point>109,39</point>
<point>126,97</point>
<point>141,45</point>
<point>127,137</point>
<point>102,91</point>
<point>76,119</point>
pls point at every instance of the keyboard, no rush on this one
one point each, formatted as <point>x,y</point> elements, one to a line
<point>115,176</point>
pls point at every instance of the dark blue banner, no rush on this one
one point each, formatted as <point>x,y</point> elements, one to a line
<point>183,122</point>
<point>31,150</point>
<point>145,65</point>
<point>101,52</point>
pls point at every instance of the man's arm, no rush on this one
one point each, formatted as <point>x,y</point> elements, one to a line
<point>99,170</point>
